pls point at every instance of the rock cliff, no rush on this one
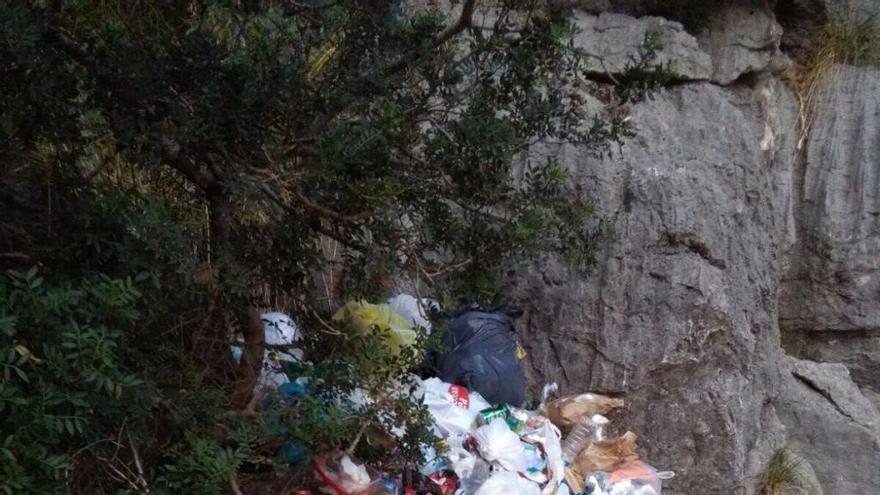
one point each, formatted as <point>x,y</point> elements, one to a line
<point>737,305</point>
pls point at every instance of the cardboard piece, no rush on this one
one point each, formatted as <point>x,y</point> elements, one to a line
<point>607,455</point>
<point>565,412</point>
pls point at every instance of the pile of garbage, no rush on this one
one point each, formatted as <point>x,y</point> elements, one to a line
<point>491,444</point>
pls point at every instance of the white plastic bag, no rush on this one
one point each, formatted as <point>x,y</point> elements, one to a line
<point>597,484</point>
<point>278,330</point>
<point>549,436</point>
<point>354,476</point>
<point>414,310</point>
<point>633,478</point>
<point>453,408</point>
<point>343,475</point>
<point>461,459</point>
<point>281,331</point>
<point>507,483</point>
<point>497,443</point>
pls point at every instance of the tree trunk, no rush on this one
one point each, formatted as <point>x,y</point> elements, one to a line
<point>249,367</point>
<point>220,224</point>
<point>220,210</point>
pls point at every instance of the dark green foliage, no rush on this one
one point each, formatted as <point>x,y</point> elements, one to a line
<point>203,466</point>
<point>643,75</point>
<point>169,165</point>
<point>62,350</point>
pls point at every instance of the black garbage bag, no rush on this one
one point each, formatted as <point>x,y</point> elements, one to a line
<point>480,354</point>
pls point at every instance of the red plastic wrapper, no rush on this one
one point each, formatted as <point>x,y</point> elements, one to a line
<point>446,481</point>
<point>336,481</point>
<point>460,396</point>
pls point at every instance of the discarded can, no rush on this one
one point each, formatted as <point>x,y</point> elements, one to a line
<point>517,418</point>
<point>487,415</point>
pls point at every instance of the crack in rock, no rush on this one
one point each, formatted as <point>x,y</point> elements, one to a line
<point>694,245</point>
<point>827,395</point>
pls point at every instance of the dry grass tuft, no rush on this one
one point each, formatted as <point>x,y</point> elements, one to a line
<point>781,477</point>
<point>841,39</point>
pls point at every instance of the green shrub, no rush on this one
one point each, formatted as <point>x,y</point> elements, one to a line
<point>204,467</point>
<point>64,384</point>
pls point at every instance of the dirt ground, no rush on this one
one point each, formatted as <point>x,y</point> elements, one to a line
<point>282,482</point>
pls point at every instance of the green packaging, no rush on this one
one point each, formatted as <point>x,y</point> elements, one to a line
<point>487,415</point>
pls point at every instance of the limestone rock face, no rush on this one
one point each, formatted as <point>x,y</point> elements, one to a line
<point>859,350</point>
<point>728,221</point>
<point>830,286</point>
<point>832,423</point>
<point>743,40</point>
<point>681,316</point>
<point>829,295</point>
<point>834,282</point>
<point>737,41</point>
<point>612,40</point>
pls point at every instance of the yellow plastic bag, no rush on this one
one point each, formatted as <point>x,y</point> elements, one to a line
<point>366,318</point>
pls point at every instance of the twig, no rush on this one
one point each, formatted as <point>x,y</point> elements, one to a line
<point>251,408</point>
<point>327,212</point>
<point>109,464</point>
<point>233,486</point>
<point>97,170</point>
<point>329,328</point>
<point>357,438</point>
<point>465,20</point>
<point>443,269</point>
<point>137,463</point>
<point>427,275</point>
<point>450,267</point>
<point>315,223</point>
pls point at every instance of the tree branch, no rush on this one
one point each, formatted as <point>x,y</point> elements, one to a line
<point>327,212</point>
<point>360,433</point>
<point>314,222</point>
<point>189,170</point>
<point>465,20</point>
<point>172,157</point>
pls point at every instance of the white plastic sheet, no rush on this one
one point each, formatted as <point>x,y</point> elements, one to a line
<point>279,330</point>
<point>498,443</point>
<point>507,483</point>
<point>453,408</point>
<point>415,310</point>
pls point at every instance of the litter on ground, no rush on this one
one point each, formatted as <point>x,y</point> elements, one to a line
<point>492,446</point>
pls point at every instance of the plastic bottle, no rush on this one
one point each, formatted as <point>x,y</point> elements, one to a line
<point>585,431</point>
